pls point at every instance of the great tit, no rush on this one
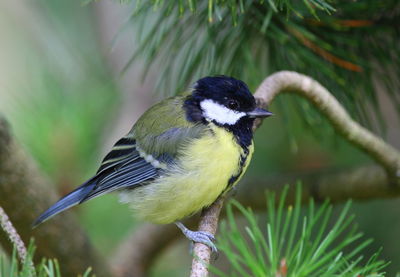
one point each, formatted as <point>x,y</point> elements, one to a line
<point>179,157</point>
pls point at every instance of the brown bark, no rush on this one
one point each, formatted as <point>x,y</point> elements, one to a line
<point>202,253</point>
<point>24,194</point>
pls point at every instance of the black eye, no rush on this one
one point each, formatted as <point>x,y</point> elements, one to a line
<point>233,104</point>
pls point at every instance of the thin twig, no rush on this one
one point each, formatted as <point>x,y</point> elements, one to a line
<point>202,253</point>
<point>14,237</point>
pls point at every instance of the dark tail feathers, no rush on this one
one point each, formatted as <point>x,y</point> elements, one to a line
<point>68,201</point>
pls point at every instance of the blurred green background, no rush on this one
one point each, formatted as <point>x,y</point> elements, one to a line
<point>62,90</point>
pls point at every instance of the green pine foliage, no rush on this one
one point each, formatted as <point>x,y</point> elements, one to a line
<point>289,242</point>
<point>46,268</point>
<point>345,45</point>
<point>292,242</point>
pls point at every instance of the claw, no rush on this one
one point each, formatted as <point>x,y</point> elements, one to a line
<point>199,236</point>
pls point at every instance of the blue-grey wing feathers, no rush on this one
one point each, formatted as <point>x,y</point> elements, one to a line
<point>121,168</point>
<point>66,202</point>
<point>134,172</point>
<point>124,168</point>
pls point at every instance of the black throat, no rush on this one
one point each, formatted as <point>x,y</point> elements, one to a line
<point>243,133</point>
<point>242,130</point>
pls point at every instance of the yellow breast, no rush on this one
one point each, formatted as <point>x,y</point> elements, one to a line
<point>203,172</point>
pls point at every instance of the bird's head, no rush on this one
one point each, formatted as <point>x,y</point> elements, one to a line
<point>222,100</point>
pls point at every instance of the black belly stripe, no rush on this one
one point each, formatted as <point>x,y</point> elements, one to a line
<point>242,162</point>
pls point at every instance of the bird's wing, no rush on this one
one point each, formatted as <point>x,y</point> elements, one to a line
<point>137,158</point>
<point>122,167</point>
<point>163,133</point>
<point>148,149</point>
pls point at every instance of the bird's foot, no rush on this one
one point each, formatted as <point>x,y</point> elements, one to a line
<point>199,236</point>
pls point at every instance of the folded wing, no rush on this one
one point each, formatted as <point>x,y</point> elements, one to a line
<point>121,168</point>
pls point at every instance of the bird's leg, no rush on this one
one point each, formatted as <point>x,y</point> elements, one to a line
<point>198,236</point>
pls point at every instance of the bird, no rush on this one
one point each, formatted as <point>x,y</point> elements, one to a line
<point>179,157</point>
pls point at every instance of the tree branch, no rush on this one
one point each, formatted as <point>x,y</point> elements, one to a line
<point>201,252</point>
<point>326,103</point>
<point>15,239</point>
<point>24,194</point>
<point>363,183</point>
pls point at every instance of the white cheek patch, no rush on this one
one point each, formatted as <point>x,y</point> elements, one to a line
<point>220,113</point>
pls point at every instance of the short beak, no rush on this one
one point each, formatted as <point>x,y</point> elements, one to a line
<point>258,112</point>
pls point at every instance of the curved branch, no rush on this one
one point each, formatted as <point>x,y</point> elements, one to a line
<point>326,103</point>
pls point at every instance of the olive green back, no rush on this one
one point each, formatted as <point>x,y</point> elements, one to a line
<point>163,129</point>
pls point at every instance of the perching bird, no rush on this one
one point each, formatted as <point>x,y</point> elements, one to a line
<point>180,155</point>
